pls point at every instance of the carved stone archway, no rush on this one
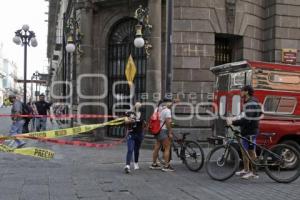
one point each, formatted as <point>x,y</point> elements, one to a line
<point>120,46</point>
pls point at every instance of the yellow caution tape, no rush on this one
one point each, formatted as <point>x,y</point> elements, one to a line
<point>29,151</point>
<point>64,132</point>
<point>47,154</point>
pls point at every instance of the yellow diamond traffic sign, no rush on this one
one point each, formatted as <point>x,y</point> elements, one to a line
<point>130,70</point>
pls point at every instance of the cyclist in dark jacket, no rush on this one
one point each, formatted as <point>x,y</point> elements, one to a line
<point>249,125</point>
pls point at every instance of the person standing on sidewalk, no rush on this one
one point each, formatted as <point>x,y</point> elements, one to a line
<point>136,126</point>
<point>34,112</point>
<point>164,138</point>
<point>17,122</point>
<point>249,129</point>
<point>43,108</point>
<point>30,111</point>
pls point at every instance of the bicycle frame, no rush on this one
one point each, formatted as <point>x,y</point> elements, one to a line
<point>178,147</point>
<point>237,137</point>
<point>179,144</point>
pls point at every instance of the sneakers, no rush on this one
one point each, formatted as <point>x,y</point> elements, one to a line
<point>136,166</point>
<point>155,166</point>
<point>21,144</point>
<point>241,173</point>
<point>127,169</point>
<point>250,175</point>
<point>168,168</point>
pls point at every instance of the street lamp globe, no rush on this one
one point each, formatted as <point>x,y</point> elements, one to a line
<point>70,47</point>
<point>25,27</point>
<point>34,42</point>
<point>139,42</point>
<point>17,40</point>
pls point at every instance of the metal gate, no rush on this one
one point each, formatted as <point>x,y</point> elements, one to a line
<point>223,51</point>
<point>120,46</point>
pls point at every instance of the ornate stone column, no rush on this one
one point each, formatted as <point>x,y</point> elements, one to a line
<point>85,67</point>
<point>153,76</point>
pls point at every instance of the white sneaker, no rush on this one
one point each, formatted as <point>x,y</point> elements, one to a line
<point>241,173</point>
<point>136,166</point>
<point>255,176</point>
<point>250,175</point>
<point>127,169</point>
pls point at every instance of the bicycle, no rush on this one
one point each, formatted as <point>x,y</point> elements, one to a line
<point>189,152</point>
<point>280,162</point>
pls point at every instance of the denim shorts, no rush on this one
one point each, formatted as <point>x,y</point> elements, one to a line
<point>246,144</point>
<point>162,135</point>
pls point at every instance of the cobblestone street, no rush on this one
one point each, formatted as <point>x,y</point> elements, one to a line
<point>91,81</point>
<point>89,174</point>
<point>81,173</point>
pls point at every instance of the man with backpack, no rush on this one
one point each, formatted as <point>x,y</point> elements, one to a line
<point>164,135</point>
<point>17,121</point>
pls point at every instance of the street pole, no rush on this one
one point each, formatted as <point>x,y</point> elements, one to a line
<point>168,73</point>
<point>25,68</point>
<point>24,36</point>
<point>31,89</point>
<point>36,95</point>
<point>65,64</point>
<point>74,74</point>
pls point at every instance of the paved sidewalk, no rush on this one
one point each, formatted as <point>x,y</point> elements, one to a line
<point>79,173</point>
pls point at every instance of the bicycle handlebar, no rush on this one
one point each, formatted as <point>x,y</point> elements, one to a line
<point>234,130</point>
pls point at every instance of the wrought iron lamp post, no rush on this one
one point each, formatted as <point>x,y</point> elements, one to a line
<point>74,38</point>
<point>35,75</point>
<point>143,29</point>
<point>25,37</point>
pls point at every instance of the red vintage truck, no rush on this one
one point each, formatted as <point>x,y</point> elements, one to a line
<point>277,87</point>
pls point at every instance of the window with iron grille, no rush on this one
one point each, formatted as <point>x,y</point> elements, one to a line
<point>228,48</point>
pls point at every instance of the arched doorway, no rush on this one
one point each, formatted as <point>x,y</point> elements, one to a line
<point>120,46</point>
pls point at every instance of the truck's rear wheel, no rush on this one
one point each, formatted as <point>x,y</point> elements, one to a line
<point>292,157</point>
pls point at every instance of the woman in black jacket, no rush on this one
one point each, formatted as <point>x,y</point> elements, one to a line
<point>135,129</point>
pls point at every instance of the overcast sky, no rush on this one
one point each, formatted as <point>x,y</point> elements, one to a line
<point>15,13</point>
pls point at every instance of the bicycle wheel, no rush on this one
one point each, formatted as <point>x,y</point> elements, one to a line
<point>193,156</point>
<point>222,162</point>
<point>283,164</point>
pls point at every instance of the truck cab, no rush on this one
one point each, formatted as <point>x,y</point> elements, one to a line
<point>277,88</point>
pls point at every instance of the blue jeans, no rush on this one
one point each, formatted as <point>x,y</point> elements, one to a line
<point>134,141</point>
<point>17,128</point>
<point>40,124</point>
<point>33,125</point>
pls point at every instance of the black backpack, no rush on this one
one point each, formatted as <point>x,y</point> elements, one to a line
<point>26,110</point>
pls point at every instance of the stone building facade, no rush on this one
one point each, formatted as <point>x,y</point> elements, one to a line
<point>8,76</point>
<point>205,33</point>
